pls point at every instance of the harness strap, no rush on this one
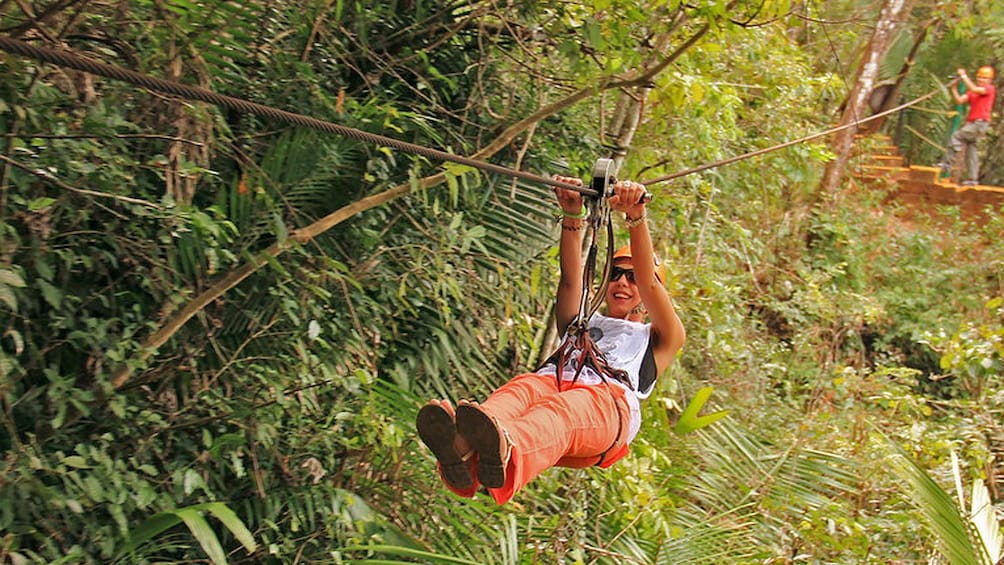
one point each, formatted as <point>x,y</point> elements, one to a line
<point>617,439</point>
<point>589,355</point>
<point>577,336</point>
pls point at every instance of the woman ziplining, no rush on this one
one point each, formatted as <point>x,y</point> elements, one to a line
<point>581,408</point>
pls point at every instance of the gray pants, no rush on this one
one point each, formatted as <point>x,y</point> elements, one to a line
<point>966,138</point>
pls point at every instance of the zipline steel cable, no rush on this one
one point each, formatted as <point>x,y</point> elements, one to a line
<point>759,152</point>
<point>80,63</point>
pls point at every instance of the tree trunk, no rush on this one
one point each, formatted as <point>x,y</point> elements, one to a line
<point>891,95</point>
<point>992,147</point>
<point>857,99</point>
<point>630,107</point>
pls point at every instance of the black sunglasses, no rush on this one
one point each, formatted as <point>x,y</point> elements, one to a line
<point>617,272</point>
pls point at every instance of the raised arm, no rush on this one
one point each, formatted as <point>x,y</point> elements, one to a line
<point>970,87</point>
<point>668,333</point>
<point>573,227</point>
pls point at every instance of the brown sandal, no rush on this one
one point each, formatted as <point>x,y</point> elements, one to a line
<point>438,431</point>
<point>489,439</point>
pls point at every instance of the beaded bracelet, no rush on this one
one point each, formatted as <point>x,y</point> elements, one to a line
<point>635,222</point>
<point>571,228</point>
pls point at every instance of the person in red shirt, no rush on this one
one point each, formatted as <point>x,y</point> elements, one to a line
<point>980,97</point>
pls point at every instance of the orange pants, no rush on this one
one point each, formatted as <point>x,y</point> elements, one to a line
<point>574,427</point>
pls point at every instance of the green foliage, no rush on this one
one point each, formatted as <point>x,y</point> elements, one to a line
<point>946,522</point>
<point>192,516</point>
<point>975,353</point>
<point>691,419</point>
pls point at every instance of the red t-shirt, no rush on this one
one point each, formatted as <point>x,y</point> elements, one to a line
<point>981,104</point>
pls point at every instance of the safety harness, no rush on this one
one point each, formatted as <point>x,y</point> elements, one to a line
<point>577,338</point>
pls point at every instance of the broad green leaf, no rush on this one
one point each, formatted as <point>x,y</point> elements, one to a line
<point>690,420</point>
<point>8,298</point>
<point>281,231</point>
<point>94,488</point>
<point>199,527</point>
<point>51,294</point>
<point>40,203</point>
<point>192,481</point>
<point>149,529</point>
<point>76,461</point>
<point>592,33</point>
<point>224,514</point>
<point>10,278</point>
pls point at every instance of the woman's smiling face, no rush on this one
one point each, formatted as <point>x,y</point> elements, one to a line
<point>622,292</point>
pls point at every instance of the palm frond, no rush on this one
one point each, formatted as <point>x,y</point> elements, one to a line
<point>984,519</point>
<point>719,539</point>
<point>942,515</point>
<point>741,471</point>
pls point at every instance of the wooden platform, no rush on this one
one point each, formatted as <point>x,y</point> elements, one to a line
<point>921,186</point>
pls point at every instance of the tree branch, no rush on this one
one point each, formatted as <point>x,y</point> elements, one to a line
<point>306,234</point>
<point>48,177</point>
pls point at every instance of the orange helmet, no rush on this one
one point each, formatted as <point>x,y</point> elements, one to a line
<point>985,72</point>
<point>660,266</point>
